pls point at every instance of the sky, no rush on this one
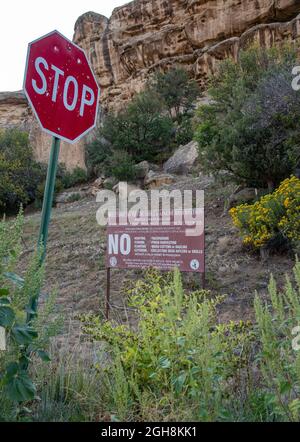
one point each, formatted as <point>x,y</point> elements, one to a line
<point>23,21</point>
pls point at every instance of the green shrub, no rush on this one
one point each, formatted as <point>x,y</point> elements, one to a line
<point>64,180</point>
<point>278,362</point>
<point>141,129</point>
<point>176,358</point>
<point>19,173</point>
<point>251,127</point>
<point>97,154</point>
<point>145,127</point>
<point>185,131</point>
<point>176,90</point>
<point>178,363</point>
<point>274,219</point>
<point>22,179</point>
<point>73,389</point>
<point>74,197</point>
<point>73,178</point>
<point>24,339</point>
<point>121,166</point>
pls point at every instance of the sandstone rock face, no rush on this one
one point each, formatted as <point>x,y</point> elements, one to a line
<point>145,35</point>
<point>16,113</point>
<point>14,110</point>
<point>182,161</point>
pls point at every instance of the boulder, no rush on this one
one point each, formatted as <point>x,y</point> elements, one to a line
<point>183,160</point>
<point>96,186</point>
<point>98,183</point>
<point>110,182</point>
<point>130,188</point>
<point>246,195</point>
<point>155,180</point>
<point>142,169</point>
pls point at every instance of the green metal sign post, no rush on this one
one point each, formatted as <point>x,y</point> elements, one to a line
<point>46,213</point>
<point>48,195</point>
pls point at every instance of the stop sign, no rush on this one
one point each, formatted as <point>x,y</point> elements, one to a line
<point>61,87</point>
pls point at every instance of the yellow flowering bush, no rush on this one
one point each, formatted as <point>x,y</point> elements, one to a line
<point>274,214</point>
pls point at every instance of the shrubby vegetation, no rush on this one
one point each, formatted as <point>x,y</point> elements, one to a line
<point>121,166</point>
<point>22,179</point>
<point>278,359</point>
<point>73,178</point>
<point>251,128</point>
<point>177,92</point>
<point>19,173</point>
<point>177,359</point>
<point>177,363</point>
<point>27,335</point>
<point>180,364</point>
<point>157,119</point>
<point>64,180</point>
<point>272,221</point>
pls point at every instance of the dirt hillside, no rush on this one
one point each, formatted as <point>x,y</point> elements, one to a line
<point>76,250</point>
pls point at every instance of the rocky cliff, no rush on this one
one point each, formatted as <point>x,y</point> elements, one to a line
<point>16,113</point>
<point>145,35</point>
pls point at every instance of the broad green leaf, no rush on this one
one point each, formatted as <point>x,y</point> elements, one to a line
<point>12,369</point>
<point>20,387</point>
<point>16,279</point>
<point>23,334</point>
<point>179,382</point>
<point>24,361</point>
<point>7,316</point>
<point>181,341</point>
<point>43,355</point>
<point>164,362</point>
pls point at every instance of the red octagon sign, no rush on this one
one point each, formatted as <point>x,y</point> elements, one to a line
<point>61,87</point>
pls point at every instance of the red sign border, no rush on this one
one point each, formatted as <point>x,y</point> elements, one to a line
<point>31,104</point>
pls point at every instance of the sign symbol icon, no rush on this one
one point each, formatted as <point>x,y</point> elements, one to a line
<point>113,261</point>
<point>194,264</point>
